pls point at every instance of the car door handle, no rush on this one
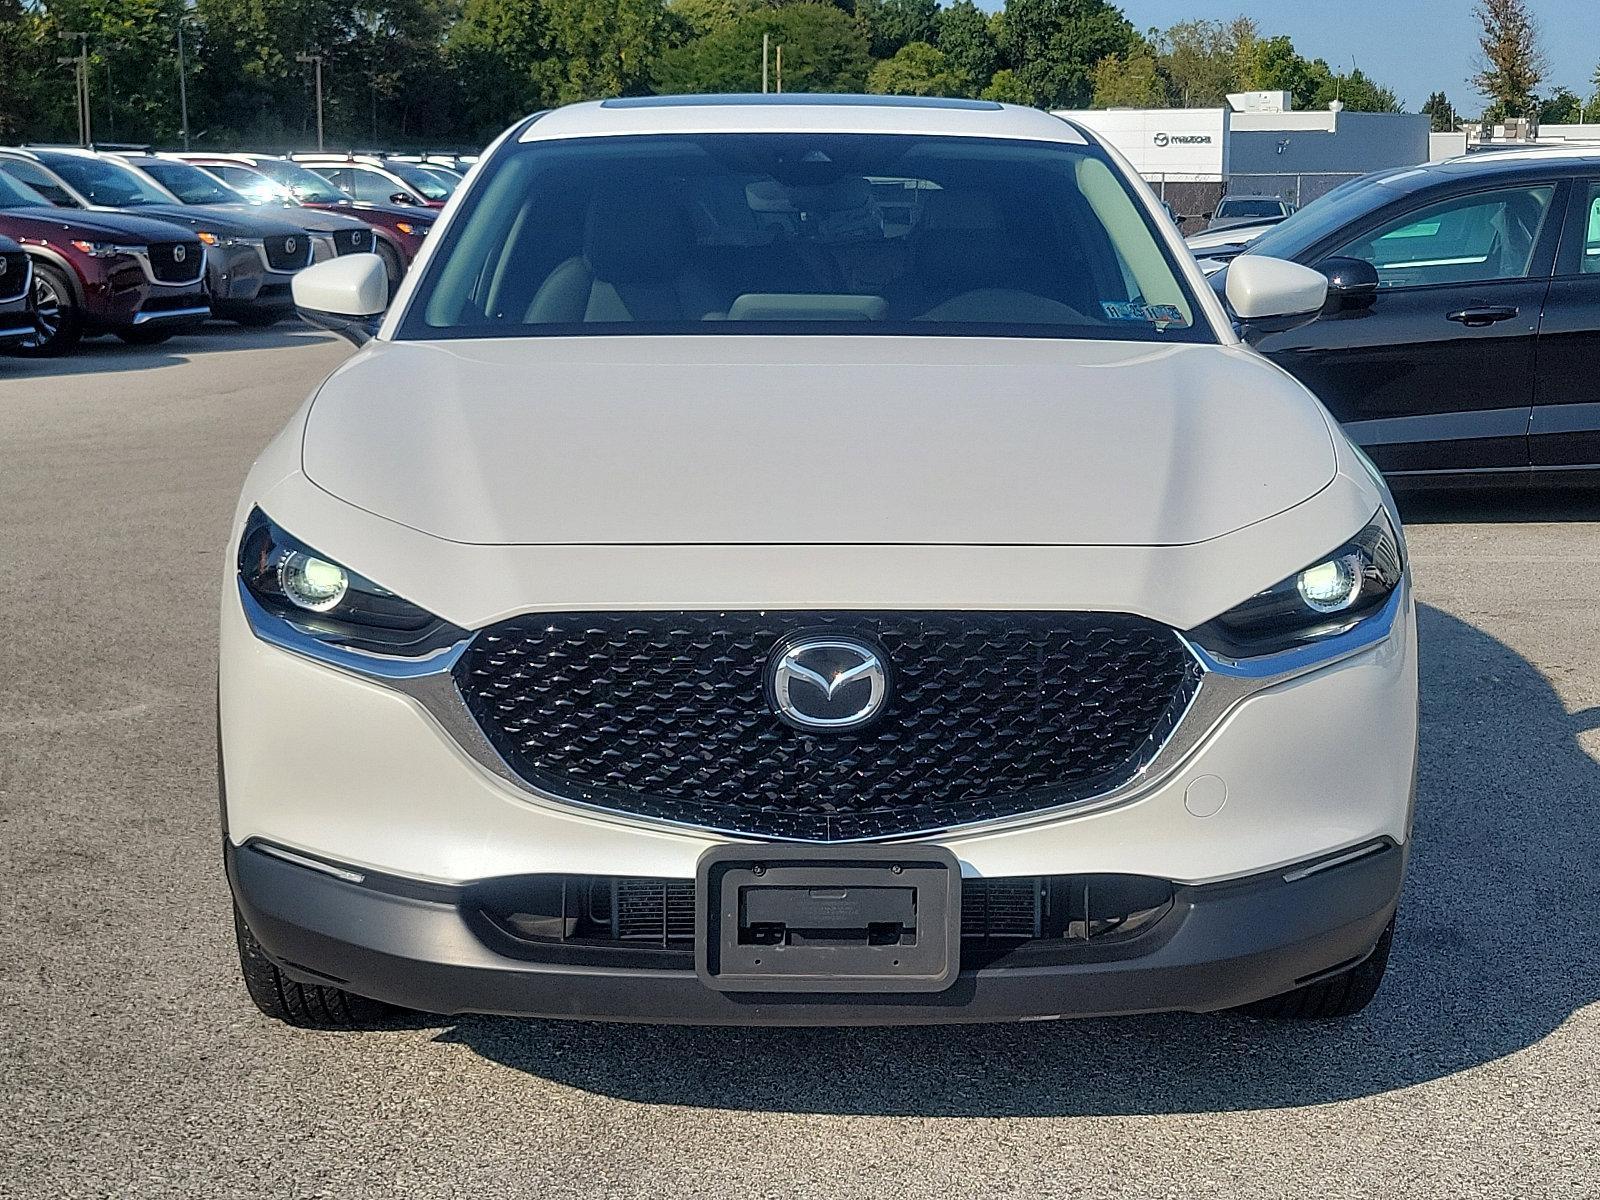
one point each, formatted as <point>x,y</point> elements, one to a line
<point>1476,318</point>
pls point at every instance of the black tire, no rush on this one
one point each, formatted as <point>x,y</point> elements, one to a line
<point>57,319</point>
<point>303,1005</point>
<point>1341,995</point>
<point>146,335</point>
<point>392,266</point>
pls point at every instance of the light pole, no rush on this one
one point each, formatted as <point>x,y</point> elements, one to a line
<point>766,49</point>
<point>317,59</point>
<point>85,127</point>
<point>183,85</point>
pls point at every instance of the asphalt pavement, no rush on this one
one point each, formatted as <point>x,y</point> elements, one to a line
<point>132,1064</point>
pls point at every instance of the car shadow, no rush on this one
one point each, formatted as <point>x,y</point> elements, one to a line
<point>106,354</point>
<point>1495,950</point>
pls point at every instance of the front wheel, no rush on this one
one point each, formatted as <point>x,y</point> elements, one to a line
<point>1341,995</point>
<point>303,1005</point>
<point>57,320</point>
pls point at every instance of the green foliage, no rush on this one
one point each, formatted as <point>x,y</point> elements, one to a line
<point>1442,112</point>
<point>1563,107</point>
<point>499,46</point>
<point>1208,59</point>
<point>603,47</point>
<point>1511,64</point>
<point>1132,82</point>
<point>824,50</point>
<point>1053,45</point>
<point>968,42</point>
<point>1006,88</point>
<point>700,17</point>
<point>918,69</point>
<point>891,24</point>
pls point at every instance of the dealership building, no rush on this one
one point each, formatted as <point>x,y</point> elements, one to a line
<point>1257,145</point>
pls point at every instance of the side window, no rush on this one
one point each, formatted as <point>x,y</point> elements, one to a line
<point>369,185</point>
<point>1590,264</point>
<point>39,180</point>
<point>1470,239</point>
<point>337,176</point>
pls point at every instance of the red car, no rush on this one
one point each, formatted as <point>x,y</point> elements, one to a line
<point>270,180</point>
<point>102,272</point>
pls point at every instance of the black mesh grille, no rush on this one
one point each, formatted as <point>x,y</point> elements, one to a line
<point>665,716</point>
<point>288,252</point>
<point>13,275</point>
<point>353,241</point>
<point>176,262</point>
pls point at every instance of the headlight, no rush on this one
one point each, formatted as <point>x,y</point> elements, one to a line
<point>411,230</point>
<point>1326,598</point>
<point>105,249</point>
<point>214,239</point>
<point>330,602</point>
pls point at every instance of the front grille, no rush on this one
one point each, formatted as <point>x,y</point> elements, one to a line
<point>288,252</point>
<point>354,241</point>
<point>998,916</point>
<point>165,264</point>
<point>665,716</point>
<point>13,275</point>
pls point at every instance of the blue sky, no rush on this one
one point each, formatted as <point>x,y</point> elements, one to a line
<point>1414,46</point>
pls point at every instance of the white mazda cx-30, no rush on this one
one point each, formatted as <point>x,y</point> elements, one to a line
<point>812,560</point>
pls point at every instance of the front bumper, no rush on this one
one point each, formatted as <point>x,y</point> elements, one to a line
<point>1221,945</point>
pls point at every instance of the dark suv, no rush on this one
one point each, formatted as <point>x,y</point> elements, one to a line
<point>16,294</point>
<point>250,257</point>
<point>332,234</point>
<point>102,273</point>
<point>400,228</point>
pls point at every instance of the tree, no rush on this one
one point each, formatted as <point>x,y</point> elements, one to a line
<point>1006,88</point>
<point>1564,107</point>
<point>824,50</point>
<point>700,17</point>
<point>1512,64</point>
<point>1442,111</point>
<point>1208,59</point>
<point>967,41</point>
<point>35,93</point>
<point>891,24</point>
<point>1132,82</point>
<point>918,69</point>
<point>499,46</point>
<point>1053,45</point>
<point>603,47</point>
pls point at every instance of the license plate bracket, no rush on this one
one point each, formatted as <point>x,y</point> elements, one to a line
<point>828,919</point>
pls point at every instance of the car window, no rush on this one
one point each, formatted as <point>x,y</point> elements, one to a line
<point>252,185</point>
<point>106,183</point>
<point>1250,208</point>
<point>795,233</point>
<point>39,180</point>
<point>368,185</point>
<point>16,194</point>
<point>1590,265</point>
<point>305,185</point>
<point>1468,239</point>
<point>189,184</point>
<point>421,180</point>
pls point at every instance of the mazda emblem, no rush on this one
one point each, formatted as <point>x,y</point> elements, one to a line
<point>179,253</point>
<point>827,682</point>
<point>288,245</point>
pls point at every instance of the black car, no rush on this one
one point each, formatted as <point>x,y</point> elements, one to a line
<point>16,294</point>
<point>1462,328</point>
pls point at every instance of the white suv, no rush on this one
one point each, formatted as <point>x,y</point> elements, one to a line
<point>812,560</point>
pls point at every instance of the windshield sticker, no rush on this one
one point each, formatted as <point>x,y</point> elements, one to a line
<point>1153,314</point>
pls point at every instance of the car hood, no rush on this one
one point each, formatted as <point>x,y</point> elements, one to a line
<point>219,219</point>
<point>291,214</point>
<point>403,211</point>
<point>47,222</point>
<point>816,439</point>
<point>1233,235</point>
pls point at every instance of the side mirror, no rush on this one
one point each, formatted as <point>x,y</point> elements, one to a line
<point>345,295</point>
<point>1206,216</point>
<point>401,198</point>
<point>1352,283</point>
<point>1272,295</point>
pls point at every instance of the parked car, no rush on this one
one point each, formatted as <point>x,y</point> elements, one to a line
<point>378,180</point>
<point>16,295</point>
<point>1249,210</point>
<point>400,228</point>
<point>1464,319</point>
<point>331,233</point>
<point>250,256</point>
<point>1219,245</point>
<point>97,272</point>
<point>710,598</point>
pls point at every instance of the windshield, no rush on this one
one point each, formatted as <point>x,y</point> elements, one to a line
<point>105,183</point>
<point>16,194</point>
<point>303,184</point>
<point>189,184</point>
<point>1323,217</point>
<point>1250,208</point>
<point>796,233</point>
<point>424,182</point>
<point>448,180</point>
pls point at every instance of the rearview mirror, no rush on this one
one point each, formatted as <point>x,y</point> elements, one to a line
<point>344,295</point>
<point>1352,283</point>
<point>1272,295</point>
